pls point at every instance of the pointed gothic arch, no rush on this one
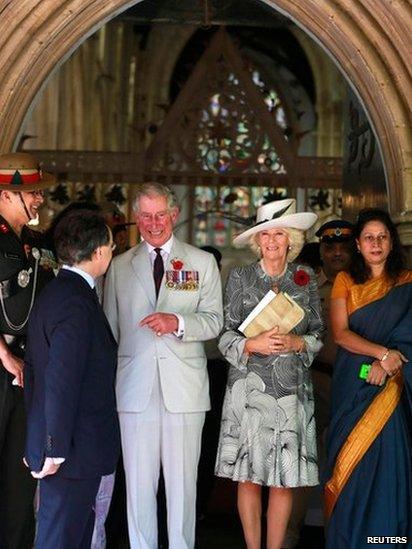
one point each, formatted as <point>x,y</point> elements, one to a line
<point>37,36</point>
<point>234,136</point>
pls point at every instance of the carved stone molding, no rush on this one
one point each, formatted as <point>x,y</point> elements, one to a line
<point>369,39</point>
<point>36,36</point>
<point>404,225</point>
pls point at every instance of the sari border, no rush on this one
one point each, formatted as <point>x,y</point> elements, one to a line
<point>361,438</point>
<point>373,290</point>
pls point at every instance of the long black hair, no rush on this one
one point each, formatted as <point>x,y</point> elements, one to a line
<point>395,262</point>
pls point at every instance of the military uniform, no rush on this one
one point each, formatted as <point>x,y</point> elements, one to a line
<point>25,267</point>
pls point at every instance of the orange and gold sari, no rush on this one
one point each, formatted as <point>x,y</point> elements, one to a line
<point>368,489</point>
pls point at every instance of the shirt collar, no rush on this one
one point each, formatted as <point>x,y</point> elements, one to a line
<point>166,247</point>
<point>87,277</point>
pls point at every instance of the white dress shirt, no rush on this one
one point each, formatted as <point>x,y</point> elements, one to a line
<point>88,278</point>
<point>166,248</point>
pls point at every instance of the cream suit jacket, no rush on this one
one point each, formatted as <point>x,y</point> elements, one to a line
<point>130,296</point>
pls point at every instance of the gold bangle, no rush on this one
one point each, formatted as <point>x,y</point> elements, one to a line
<point>385,355</point>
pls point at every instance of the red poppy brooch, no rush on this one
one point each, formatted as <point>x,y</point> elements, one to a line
<point>301,277</point>
<point>177,264</point>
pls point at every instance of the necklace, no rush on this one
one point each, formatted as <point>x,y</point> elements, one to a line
<point>275,278</point>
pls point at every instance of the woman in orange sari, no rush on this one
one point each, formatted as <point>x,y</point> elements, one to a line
<point>368,492</point>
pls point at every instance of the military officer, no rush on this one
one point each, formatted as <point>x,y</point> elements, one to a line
<point>25,266</point>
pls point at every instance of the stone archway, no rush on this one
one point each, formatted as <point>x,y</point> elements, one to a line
<point>368,39</point>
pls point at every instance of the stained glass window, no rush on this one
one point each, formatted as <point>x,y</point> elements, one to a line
<point>229,141</point>
<point>229,138</point>
<point>271,99</point>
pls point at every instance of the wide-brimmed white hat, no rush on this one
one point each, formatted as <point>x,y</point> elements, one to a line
<point>280,213</point>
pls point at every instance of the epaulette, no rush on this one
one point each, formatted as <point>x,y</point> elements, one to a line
<point>4,229</point>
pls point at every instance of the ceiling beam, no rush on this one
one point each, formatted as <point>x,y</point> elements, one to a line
<point>124,167</point>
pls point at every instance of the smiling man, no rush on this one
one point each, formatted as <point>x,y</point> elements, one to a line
<point>163,299</point>
<point>25,267</point>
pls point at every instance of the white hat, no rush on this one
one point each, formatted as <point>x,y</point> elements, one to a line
<point>280,213</point>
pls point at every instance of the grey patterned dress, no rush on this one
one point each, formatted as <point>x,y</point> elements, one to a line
<point>268,428</point>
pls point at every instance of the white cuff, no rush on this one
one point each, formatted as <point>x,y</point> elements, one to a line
<point>49,467</point>
<point>180,327</point>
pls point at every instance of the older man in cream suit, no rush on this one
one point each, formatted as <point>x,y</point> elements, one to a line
<point>163,300</point>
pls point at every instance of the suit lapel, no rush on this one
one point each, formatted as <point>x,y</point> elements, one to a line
<point>100,312</point>
<point>143,270</point>
<point>180,251</point>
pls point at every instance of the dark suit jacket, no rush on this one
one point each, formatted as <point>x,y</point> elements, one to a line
<point>69,373</point>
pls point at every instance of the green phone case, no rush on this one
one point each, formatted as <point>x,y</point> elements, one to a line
<point>364,371</point>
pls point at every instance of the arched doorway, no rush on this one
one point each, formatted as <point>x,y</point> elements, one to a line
<point>212,117</point>
<point>31,51</point>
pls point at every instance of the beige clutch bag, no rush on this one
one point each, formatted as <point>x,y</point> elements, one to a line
<point>273,310</point>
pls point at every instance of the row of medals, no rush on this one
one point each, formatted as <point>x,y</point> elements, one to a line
<point>182,280</point>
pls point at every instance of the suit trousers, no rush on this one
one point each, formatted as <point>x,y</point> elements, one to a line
<point>66,512</point>
<point>17,486</point>
<point>154,438</point>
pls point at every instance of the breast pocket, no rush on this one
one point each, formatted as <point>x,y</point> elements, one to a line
<point>181,301</point>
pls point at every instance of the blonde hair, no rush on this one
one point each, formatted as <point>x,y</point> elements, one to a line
<point>296,239</point>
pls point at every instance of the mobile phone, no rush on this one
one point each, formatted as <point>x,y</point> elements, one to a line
<point>364,371</point>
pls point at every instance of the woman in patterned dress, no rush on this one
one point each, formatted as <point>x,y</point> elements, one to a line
<point>267,435</point>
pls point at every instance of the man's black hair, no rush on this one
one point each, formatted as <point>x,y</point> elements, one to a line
<point>78,234</point>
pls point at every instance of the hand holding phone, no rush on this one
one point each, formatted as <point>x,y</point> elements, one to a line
<point>364,371</point>
<point>373,373</point>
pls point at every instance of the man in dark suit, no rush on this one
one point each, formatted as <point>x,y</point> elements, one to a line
<point>72,427</point>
